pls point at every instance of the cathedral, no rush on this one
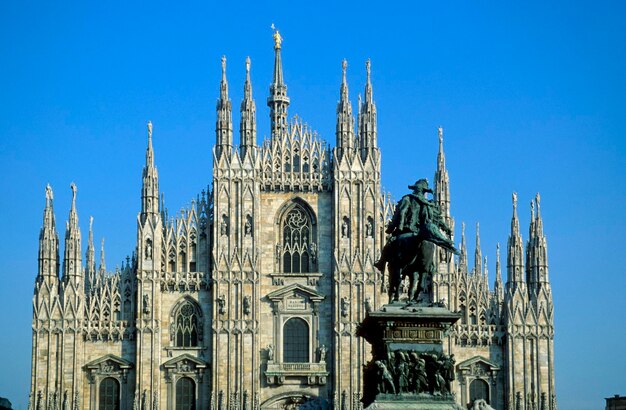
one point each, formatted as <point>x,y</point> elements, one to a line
<point>251,298</point>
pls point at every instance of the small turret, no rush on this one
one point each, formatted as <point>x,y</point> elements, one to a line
<point>367,118</point>
<point>345,120</point>
<point>278,100</point>
<point>224,123</point>
<point>247,127</point>
<point>48,242</point>
<point>72,261</point>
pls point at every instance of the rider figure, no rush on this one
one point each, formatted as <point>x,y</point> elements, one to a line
<point>417,215</point>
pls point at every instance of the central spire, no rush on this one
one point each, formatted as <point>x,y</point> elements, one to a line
<point>278,100</point>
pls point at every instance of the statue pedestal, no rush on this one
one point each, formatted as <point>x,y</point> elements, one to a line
<point>409,368</point>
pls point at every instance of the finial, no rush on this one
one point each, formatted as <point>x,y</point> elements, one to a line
<point>277,37</point>
<point>149,129</point>
<point>223,66</point>
<point>463,229</point>
<point>248,67</point>
<point>440,131</point>
<point>90,223</point>
<point>73,188</point>
<point>514,200</point>
<point>498,250</point>
<point>538,200</point>
<point>532,210</point>
<point>368,65</point>
<point>49,195</point>
<point>344,67</point>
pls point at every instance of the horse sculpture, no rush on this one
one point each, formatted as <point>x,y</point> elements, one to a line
<point>413,257</point>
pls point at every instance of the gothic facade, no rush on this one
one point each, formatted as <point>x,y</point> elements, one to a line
<point>251,297</point>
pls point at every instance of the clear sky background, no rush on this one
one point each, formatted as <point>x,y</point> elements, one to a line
<point>530,95</point>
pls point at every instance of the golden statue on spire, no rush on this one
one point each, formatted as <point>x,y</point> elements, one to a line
<point>277,37</point>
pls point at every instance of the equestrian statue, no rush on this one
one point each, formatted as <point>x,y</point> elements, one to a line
<point>416,228</point>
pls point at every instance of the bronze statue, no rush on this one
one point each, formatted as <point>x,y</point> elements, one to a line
<point>417,226</point>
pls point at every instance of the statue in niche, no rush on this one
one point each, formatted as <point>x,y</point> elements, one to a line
<point>224,225</point>
<point>146,304</point>
<point>345,228</point>
<point>279,252</point>
<point>369,227</point>
<point>246,305</point>
<point>148,249</point>
<point>221,303</point>
<point>248,225</point>
<point>417,226</point>
<point>322,354</point>
<point>368,304</point>
<point>270,353</point>
<point>344,306</point>
<point>314,253</point>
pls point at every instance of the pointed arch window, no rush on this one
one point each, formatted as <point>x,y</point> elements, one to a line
<point>186,330</point>
<point>298,249</point>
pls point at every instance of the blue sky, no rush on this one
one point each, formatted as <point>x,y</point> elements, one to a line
<point>530,96</point>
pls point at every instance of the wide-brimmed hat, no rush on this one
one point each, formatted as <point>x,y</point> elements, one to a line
<point>420,183</point>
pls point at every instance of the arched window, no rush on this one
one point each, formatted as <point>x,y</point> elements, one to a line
<point>479,389</point>
<point>297,240</point>
<point>186,326</point>
<point>109,394</point>
<point>296,341</point>
<point>185,394</point>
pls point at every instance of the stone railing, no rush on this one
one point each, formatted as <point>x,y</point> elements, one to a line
<point>315,373</point>
<point>107,330</point>
<point>184,281</point>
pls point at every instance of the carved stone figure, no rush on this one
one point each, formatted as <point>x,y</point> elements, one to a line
<point>322,354</point>
<point>270,353</point>
<point>224,225</point>
<point>368,304</point>
<point>146,304</point>
<point>344,306</point>
<point>313,249</point>
<point>345,228</point>
<point>246,305</point>
<point>248,226</point>
<point>385,380</point>
<point>481,404</point>
<point>221,303</point>
<point>148,249</point>
<point>369,227</point>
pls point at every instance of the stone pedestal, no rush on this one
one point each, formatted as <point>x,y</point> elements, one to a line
<point>409,368</point>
